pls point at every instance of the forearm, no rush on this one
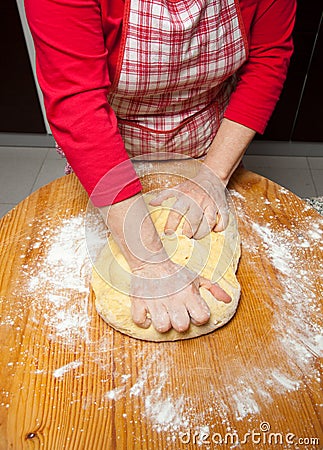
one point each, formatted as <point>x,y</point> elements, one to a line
<point>73,73</point>
<point>228,148</point>
<point>133,230</point>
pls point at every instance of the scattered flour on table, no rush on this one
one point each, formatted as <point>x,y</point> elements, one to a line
<point>246,404</point>
<point>297,333</point>
<point>62,273</point>
<point>295,305</point>
<point>58,373</point>
<point>167,413</point>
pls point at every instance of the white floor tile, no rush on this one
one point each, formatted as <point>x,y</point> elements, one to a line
<point>25,169</point>
<point>52,154</point>
<point>315,163</point>
<point>18,170</point>
<point>51,169</point>
<point>298,181</point>
<point>255,161</point>
<point>283,148</point>
<point>318,181</point>
<point>4,208</point>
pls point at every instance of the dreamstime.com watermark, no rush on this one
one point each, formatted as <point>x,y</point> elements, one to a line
<point>261,436</point>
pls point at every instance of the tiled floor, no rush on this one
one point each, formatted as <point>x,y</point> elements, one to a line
<point>301,175</point>
<point>24,169</point>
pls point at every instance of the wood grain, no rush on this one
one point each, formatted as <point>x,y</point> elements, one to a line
<point>121,393</point>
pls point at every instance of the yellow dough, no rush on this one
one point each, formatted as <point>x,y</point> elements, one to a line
<point>215,257</point>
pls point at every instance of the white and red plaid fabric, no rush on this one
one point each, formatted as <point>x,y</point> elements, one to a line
<point>176,73</point>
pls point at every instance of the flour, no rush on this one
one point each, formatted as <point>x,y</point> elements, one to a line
<point>57,286</point>
<point>165,414</point>
<point>236,194</point>
<point>296,333</point>
<point>137,388</point>
<point>299,332</point>
<point>278,252</point>
<point>143,167</point>
<point>62,273</point>
<point>58,373</point>
<point>66,261</point>
<point>286,382</point>
<point>245,404</point>
<point>116,393</point>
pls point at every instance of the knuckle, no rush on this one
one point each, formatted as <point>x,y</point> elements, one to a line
<point>220,226</point>
<point>201,234</point>
<point>181,205</point>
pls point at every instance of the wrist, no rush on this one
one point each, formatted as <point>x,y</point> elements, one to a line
<point>222,173</point>
<point>161,264</point>
<point>228,148</point>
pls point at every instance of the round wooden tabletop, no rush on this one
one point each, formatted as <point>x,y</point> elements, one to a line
<point>69,381</point>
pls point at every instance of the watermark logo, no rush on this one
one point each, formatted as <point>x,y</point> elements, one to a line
<point>183,171</point>
<point>263,435</point>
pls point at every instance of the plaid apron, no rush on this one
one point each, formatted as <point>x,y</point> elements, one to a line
<point>176,72</point>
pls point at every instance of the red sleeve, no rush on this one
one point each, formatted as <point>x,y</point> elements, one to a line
<point>71,61</point>
<point>262,77</point>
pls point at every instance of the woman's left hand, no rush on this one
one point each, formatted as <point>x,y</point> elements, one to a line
<point>202,200</point>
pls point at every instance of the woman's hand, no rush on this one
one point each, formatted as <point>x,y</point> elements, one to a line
<point>168,296</point>
<point>202,200</point>
<point>162,292</point>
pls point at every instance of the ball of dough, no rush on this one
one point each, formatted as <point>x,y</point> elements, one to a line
<point>215,257</point>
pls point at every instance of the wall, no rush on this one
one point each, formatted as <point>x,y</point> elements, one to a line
<point>20,110</point>
<point>298,115</point>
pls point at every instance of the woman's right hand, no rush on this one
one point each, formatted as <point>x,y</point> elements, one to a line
<point>167,296</point>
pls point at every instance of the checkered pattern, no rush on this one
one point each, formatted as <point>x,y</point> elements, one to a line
<point>68,168</point>
<point>176,74</point>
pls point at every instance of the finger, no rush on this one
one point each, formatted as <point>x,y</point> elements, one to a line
<point>193,219</point>
<point>159,316</point>
<point>198,309</point>
<point>223,219</point>
<point>215,290</point>
<point>207,223</point>
<point>179,317</point>
<point>139,312</point>
<point>175,215</point>
<point>163,195</point>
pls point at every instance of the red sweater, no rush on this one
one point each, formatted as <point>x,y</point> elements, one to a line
<point>77,44</point>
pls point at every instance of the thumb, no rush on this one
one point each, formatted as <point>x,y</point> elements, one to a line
<point>223,219</point>
<point>139,312</point>
<point>215,290</point>
<point>163,195</point>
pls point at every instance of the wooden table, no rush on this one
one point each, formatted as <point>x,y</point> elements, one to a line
<point>69,381</point>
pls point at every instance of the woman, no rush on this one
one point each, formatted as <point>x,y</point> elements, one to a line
<point>128,77</point>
